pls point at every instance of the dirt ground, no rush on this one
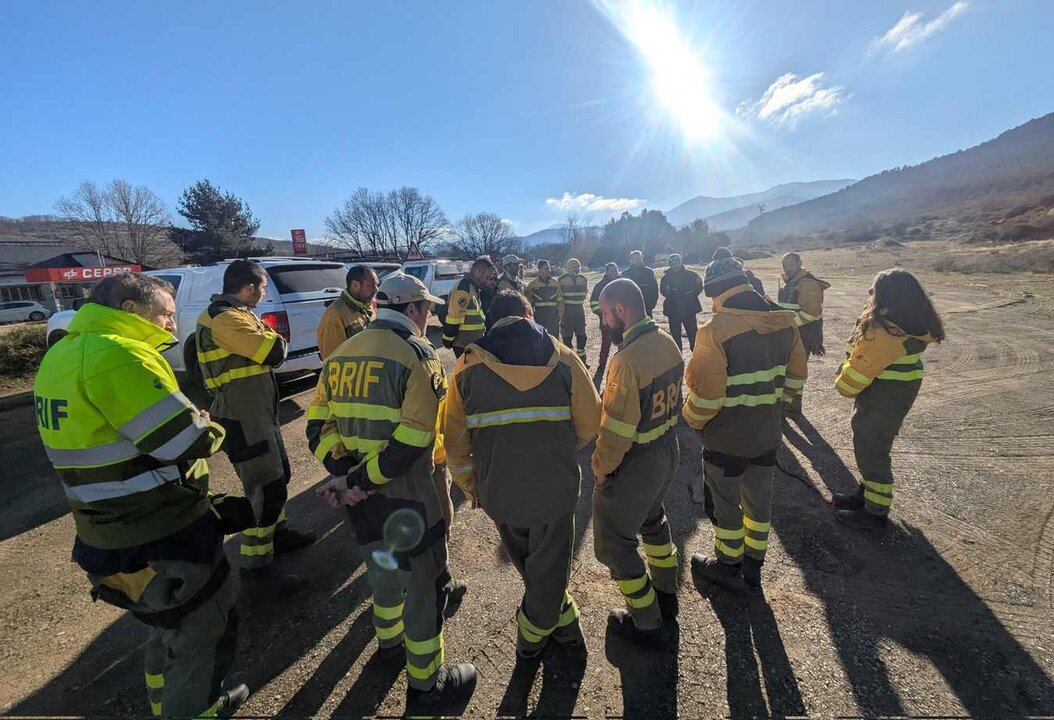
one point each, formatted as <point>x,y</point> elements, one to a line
<point>946,613</point>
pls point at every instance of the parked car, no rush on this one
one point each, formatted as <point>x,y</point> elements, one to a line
<point>299,291</point>
<point>439,276</point>
<point>22,310</point>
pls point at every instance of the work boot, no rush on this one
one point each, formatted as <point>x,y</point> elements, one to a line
<point>454,684</point>
<point>287,540</point>
<point>569,636</point>
<point>793,407</point>
<point>752,572</point>
<point>620,622</point>
<point>849,501</point>
<point>455,591</point>
<point>392,653</point>
<point>669,605</point>
<point>268,583</point>
<point>230,700</point>
<point>861,519</point>
<point>713,572</point>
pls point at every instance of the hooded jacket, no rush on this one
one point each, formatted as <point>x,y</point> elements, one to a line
<point>880,360</point>
<point>748,357</point>
<point>803,294</point>
<point>519,408</point>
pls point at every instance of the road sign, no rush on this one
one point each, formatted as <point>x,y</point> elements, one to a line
<point>77,274</point>
<point>299,241</point>
<point>413,252</point>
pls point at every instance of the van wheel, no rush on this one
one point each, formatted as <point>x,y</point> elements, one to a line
<point>36,316</point>
<point>55,336</point>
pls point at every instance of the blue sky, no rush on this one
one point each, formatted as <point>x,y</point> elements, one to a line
<point>520,108</point>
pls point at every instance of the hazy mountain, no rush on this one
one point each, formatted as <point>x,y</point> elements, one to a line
<point>1011,170</point>
<point>552,234</point>
<point>787,194</point>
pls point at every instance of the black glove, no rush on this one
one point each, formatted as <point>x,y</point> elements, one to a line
<point>234,513</point>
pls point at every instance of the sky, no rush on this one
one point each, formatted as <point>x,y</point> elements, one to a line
<point>525,109</point>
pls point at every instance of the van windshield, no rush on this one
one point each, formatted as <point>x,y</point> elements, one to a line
<point>301,278</point>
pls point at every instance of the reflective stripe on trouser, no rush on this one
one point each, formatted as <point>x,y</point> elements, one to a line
<point>573,329</point>
<point>742,510</point>
<point>630,502</point>
<point>542,555</point>
<point>185,664</point>
<point>419,592</point>
<point>876,421</point>
<point>256,546</point>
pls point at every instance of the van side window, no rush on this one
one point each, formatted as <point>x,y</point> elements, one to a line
<point>174,279</point>
<point>418,271</point>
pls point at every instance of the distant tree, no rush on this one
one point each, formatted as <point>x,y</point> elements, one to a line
<point>484,234</point>
<point>120,220</point>
<point>385,223</point>
<point>556,252</point>
<point>649,232</point>
<point>694,242</point>
<point>223,223</point>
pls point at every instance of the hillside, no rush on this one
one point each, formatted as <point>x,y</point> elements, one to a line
<point>706,207</point>
<point>1013,170</point>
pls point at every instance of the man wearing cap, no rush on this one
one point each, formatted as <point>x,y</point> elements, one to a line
<point>544,294</point>
<point>372,424</point>
<point>644,276</point>
<point>350,313</point>
<point>573,289</point>
<point>464,317</point>
<point>748,359</point>
<point>681,287</point>
<point>510,280</point>
<point>634,463</point>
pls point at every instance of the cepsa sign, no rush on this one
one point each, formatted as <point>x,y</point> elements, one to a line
<point>78,274</point>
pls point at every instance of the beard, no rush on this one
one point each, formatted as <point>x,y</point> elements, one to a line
<point>618,331</point>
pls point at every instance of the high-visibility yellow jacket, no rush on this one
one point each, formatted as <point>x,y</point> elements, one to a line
<point>748,357</point>
<point>345,317</point>
<point>803,295</point>
<point>877,357</point>
<point>464,322</point>
<point>573,291</point>
<point>519,407</point>
<point>642,396</point>
<point>128,446</point>
<point>546,298</point>
<point>508,282</point>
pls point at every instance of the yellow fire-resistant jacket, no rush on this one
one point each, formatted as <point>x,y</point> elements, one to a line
<point>748,358</point>
<point>519,407</point>
<point>642,397</point>
<point>345,317</point>
<point>464,322</point>
<point>878,356</point>
<point>128,446</point>
<point>573,291</point>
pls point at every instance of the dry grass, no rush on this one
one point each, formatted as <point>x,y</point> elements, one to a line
<point>21,350</point>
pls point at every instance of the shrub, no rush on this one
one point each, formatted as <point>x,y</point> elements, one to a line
<point>21,350</point>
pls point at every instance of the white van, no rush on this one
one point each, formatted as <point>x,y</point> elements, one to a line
<point>299,291</point>
<point>439,276</point>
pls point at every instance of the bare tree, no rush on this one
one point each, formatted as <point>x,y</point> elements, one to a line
<point>484,234</point>
<point>121,220</point>
<point>378,223</point>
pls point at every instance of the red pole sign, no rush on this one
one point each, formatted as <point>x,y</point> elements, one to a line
<point>299,242</point>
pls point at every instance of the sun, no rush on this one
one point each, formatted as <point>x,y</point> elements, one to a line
<point>679,78</point>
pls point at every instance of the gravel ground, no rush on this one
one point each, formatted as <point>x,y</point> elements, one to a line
<point>946,613</point>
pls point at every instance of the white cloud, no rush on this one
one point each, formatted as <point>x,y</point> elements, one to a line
<point>790,98</point>
<point>910,29</point>
<point>593,203</point>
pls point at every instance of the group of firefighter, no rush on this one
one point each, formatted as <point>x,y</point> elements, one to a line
<point>393,432</point>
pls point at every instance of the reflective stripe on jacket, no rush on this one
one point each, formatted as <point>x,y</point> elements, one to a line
<point>878,356</point>
<point>126,443</point>
<point>573,291</point>
<point>545,298</point>
<point>642,396</point>
<point>747,358</point>
<point>464,322</point>
<point>803,295</point>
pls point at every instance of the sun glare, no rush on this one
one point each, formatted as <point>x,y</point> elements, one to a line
<point>679,79</point>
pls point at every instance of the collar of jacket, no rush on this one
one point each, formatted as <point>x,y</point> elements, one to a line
<point>801,274</point>
<point>642,327</point>
<point>392,318</point>
<point>719,301</point>
<point>357,304</point>
<point>521,377</point>
<point>471,280</point>
<point>102,320</point>
<point>224,299</point>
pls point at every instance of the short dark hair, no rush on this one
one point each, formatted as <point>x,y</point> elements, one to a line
<point>792,256</point>
<point>508,303</point>
<point>141,289</point>
<point>545,263</point>
<point>484,261</point>
<point>241,273</point>
<point>721,252</point>
<point>357,273</point>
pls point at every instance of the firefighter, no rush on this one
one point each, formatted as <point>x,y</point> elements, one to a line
<point>130,451</point>
<point>883,373</point>
<point>511,279</point>
<point>610,273</point>
<point>520,406</point>
<point>634,462</point>
<point>237,354</point>
<point>350,313</point>
<point>754,280</point>
<point>681,287</point>
<point>573,289</point>
<point>644,277</point>
<point>372,424</point>
<point>544,294</point>
<point>464,316</point>
<point>748,359</point>
<point>802,293</point>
